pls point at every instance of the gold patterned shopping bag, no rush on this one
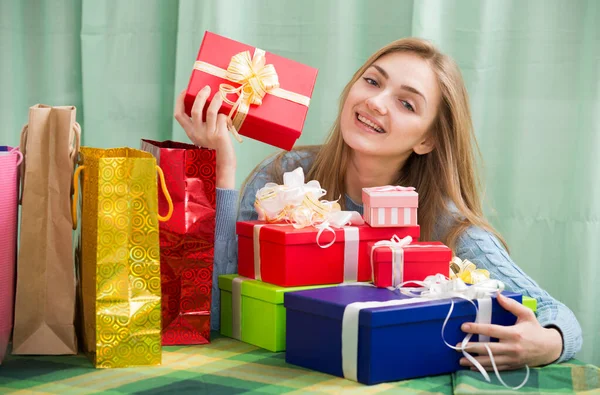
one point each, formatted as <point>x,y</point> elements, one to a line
<point>118,256</point>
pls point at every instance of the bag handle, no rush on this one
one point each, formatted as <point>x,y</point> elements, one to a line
<point>74,149</point>
<point>18,154</point>
<point>22,148</point>
<point>163,187</point>
<point>75,199</point>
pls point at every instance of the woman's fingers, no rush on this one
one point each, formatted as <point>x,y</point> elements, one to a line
<point>198,108</point>
<point>211,114</point>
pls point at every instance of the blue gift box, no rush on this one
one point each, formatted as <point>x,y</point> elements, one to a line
<point>394,342</point>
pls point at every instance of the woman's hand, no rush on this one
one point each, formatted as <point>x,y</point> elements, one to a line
<point>525,343</point>
<point>213,133</point>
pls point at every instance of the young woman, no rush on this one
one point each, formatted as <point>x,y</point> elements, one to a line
<point>404,119</point>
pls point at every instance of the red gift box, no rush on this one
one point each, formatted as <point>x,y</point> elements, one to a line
<point>186,240</point>
<point>277,121</point>
<point>291,257</point>
<point>413,262</point>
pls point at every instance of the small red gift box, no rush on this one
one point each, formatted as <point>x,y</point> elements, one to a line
<point>282,255</point>
<point>269,94</point>
<point>395,262</point>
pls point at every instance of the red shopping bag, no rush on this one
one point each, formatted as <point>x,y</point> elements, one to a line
<point>186,240</point>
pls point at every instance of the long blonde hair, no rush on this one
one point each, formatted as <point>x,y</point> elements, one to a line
<point>446,173</point>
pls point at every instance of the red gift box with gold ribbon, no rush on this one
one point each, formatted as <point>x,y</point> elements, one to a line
<point>266,95</point>
<point>283,255</point>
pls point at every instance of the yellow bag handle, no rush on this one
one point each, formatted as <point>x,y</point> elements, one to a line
<point>75,196</point>
<point>75,200</point>
<point>163,186</point>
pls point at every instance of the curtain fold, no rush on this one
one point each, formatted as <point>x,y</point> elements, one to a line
<point>40,59</point>
<point>532,70</point>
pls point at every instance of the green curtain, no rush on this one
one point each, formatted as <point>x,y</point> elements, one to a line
<point>532,69</point>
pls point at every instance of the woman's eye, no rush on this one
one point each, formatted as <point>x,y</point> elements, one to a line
<point>407,105</point>
<point>370,81</point>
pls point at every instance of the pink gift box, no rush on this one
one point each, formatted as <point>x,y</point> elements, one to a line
<point>390,206</point>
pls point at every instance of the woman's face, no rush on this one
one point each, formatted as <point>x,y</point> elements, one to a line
<point>390,108</point>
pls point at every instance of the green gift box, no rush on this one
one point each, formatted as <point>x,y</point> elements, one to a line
<point>530,302</point>
<point>252,311</point>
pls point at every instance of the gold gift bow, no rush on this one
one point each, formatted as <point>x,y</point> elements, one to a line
<point>256,79</point>
<point>75,200</point>
<point>467,271</point>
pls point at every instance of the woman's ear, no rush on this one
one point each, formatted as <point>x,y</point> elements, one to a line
<point>425,146</point>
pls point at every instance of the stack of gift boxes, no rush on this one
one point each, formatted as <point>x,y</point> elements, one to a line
<point>300,268</point>
<point>328,293</point>
<point>277,258</point>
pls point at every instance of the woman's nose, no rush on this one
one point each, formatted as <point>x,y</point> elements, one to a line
<point>377,104</point>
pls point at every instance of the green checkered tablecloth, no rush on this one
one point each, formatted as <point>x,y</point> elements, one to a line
<point>227,366</point>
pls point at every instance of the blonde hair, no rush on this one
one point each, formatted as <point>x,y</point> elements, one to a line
<point>446,173</point>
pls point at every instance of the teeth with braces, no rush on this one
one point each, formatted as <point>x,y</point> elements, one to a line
<point>369,123</point>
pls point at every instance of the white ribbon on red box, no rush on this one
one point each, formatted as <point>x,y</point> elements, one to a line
<point>337,219</point>
<point>397,245</point>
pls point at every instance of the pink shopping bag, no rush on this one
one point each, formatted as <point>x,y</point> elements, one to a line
<point>9,163</point>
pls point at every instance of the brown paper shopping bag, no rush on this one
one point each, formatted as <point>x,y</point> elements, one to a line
<point>45,295</point>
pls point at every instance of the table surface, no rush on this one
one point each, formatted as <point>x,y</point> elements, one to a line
<point>227,366</point>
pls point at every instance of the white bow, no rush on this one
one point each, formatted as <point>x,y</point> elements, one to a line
<point>337,219</point>
<point>274,198</point>
<point>396,244</point>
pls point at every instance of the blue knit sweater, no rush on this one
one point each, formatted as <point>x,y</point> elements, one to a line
<point>475,244</point>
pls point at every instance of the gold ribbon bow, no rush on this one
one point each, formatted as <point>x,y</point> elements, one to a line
<point>256,79</point>
<point>467,271</point>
